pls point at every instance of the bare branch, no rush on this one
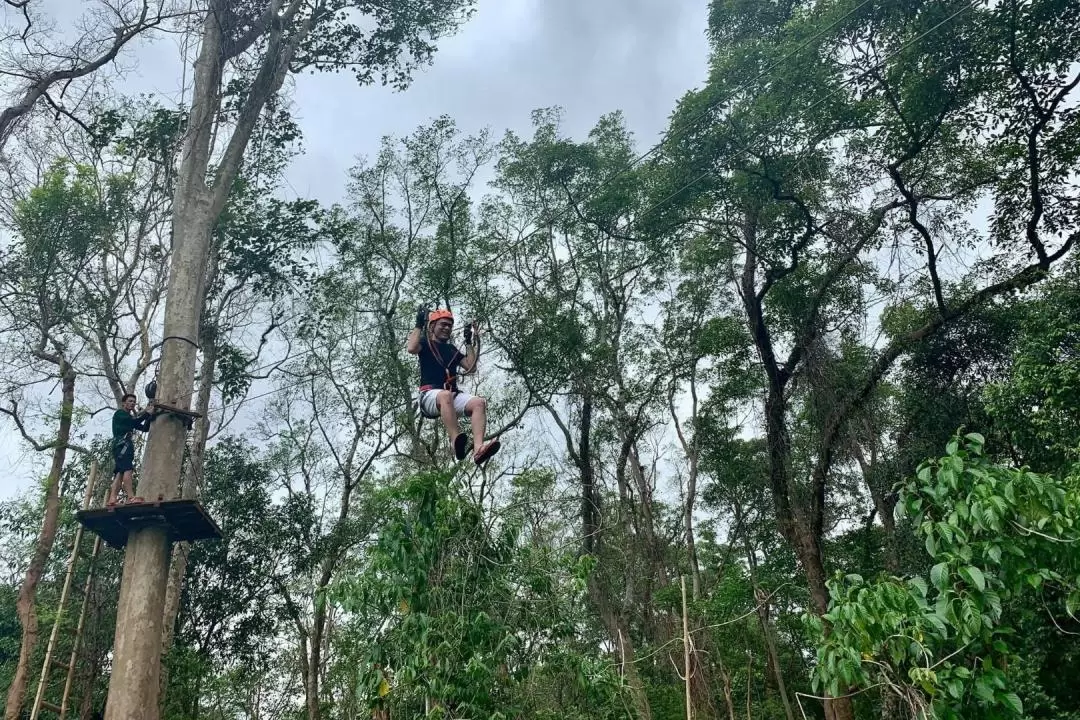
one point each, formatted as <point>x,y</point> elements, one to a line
<point>23,5</point>
<point>73,69</point>
<point>13,413</point>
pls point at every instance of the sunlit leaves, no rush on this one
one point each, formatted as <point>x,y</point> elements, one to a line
<point>63,220</point>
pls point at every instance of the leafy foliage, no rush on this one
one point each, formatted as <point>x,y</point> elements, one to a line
<point>1001,541</point>
<point>468,615</point>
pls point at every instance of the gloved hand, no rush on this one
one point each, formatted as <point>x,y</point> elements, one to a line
<point>469,333</point>
<point>421,317</point>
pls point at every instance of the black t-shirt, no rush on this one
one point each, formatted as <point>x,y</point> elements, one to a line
<point>435,361</point>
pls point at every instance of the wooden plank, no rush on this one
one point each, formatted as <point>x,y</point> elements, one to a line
<point>184,520</point>
<point>175,410</point>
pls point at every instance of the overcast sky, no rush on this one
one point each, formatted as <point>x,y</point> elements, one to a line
<point>588,56</point>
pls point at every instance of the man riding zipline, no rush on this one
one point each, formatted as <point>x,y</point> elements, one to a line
<point>439,393</point>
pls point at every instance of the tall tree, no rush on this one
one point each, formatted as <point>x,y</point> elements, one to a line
<point>257,269</point>
<point>870,133</point>
<point>261,44</point>
<point>62,228</point>
<point>574,332</point>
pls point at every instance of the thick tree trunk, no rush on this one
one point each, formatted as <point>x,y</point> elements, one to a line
<point>799,531</point>
<point>800,526</point>
<point>135,682</point>
<point>189,489</point>
<point>808,549</point>
<point>193,471</point>
<point>25,606</point>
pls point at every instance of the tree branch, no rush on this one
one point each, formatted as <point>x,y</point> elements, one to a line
<point>1028,276</point>
<point>40,86</point>
<point>13,413</point>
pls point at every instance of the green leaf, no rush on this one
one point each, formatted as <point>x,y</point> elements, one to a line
<point>939,575</point>
<point>1012,701</point>
<point>974,576</point>
<point>936,621</point>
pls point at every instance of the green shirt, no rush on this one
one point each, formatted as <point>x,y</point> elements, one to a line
<point>123,422</point>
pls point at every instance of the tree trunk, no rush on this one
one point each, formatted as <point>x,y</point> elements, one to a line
<point>189,489</point>
<point>799,531</point>
<point>810,557</point>
<point>314,660</point>
<point>135,683</point>
<point>24,606</point>
<point>688,521</point>
<point>767,630</point>
<point>624,649</point>
<point>687,668</point>
<point>884,507</point>
<point>728,700</point>
<point>94,648</point>
<point>590,497</point>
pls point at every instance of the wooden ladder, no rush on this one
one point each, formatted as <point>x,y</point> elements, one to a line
<point>51,660</point>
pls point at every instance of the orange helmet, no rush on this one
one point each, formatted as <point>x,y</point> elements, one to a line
<point>437,315</point>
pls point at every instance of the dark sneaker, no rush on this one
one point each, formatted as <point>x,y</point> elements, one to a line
<point>461,446</point>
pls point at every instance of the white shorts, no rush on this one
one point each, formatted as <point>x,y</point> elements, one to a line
<point>430,409</point>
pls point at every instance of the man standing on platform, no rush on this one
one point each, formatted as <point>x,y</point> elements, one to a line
<point>124,423</point>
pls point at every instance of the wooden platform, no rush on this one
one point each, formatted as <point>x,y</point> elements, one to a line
<point>183,519</point>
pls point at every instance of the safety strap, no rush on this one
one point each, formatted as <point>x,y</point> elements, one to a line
<point>450,383</point>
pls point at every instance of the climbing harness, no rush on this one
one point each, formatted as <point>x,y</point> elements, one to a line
<point>450,379</point>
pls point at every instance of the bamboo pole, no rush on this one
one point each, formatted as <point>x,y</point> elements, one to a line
<point>686,650</point>
<point>43,680</point>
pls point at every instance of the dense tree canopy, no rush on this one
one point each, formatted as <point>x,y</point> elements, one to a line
<point>789,402</point>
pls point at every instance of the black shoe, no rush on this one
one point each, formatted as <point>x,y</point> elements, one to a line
<point>461,446</point>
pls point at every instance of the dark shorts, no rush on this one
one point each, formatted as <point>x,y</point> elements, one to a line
<point>123,456</point>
